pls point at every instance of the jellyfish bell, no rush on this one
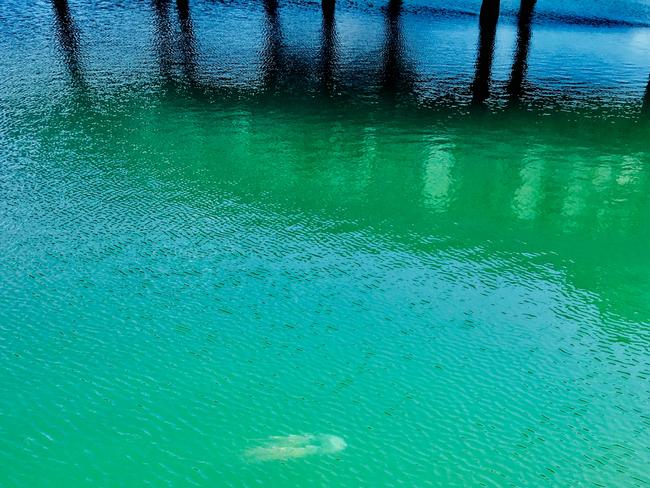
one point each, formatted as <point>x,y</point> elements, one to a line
<point>281,448</point>
<point>332,443</point>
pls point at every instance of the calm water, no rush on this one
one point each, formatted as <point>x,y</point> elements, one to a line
<point>244,220</point>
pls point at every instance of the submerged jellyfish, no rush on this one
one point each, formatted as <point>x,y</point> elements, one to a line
<point>279,448</point>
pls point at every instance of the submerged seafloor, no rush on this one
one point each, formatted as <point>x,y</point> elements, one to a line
<point>253,244</point>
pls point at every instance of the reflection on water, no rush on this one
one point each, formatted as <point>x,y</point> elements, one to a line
<point>546,189</point>
<point>520,63</point>
<point>396,76</point>
<point>68,38</point>
<point>272,58</point>
<point>439,177</point>
<point>207,251</point>
<point>164,39</point>
<point>602,194</point>
<point>487,32</point>
<point>285,69</point>
<point>328,48</point>
<point>187,41</point>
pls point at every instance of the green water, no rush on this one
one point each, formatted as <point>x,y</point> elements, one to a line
<point>462,303</point>
<point>461,296</point>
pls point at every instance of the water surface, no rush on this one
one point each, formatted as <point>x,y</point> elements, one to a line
<point>246,221</point>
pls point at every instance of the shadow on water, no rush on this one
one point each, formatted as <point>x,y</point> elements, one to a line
<point>520,64</point>
<point>68,38</point>
<point>487,33</point>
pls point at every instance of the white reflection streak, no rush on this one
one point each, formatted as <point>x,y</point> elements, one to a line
<point>438,177</point>
<point>529,194</point>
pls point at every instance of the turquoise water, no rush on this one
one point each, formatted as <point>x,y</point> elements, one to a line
<point>245,247</point>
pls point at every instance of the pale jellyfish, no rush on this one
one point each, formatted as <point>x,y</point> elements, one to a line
<point>280,448</point>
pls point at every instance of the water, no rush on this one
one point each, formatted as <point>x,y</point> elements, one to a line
<point>249,246</point>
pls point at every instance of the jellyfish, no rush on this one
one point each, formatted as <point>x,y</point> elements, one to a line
<point>281,448</point>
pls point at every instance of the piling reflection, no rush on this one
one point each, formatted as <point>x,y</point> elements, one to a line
<point>164,43</point>
<point>187,42</point>
<point>68,38</point>
<point>520,64</point>
<point>529,195</point>
<point>326,69</point>
<point>328,54</point>
<point>544,192</point>
<point>396,75</point>
<point>273,51</point>
<point>438,185</point>
<point>487,33</point>
<point>557,192</point>
<point>645,109</point>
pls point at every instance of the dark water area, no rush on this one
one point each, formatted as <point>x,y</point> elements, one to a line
<point>546,57</point>
<point>292,243</point>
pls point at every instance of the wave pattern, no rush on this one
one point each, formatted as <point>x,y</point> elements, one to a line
<point>452,299</point>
